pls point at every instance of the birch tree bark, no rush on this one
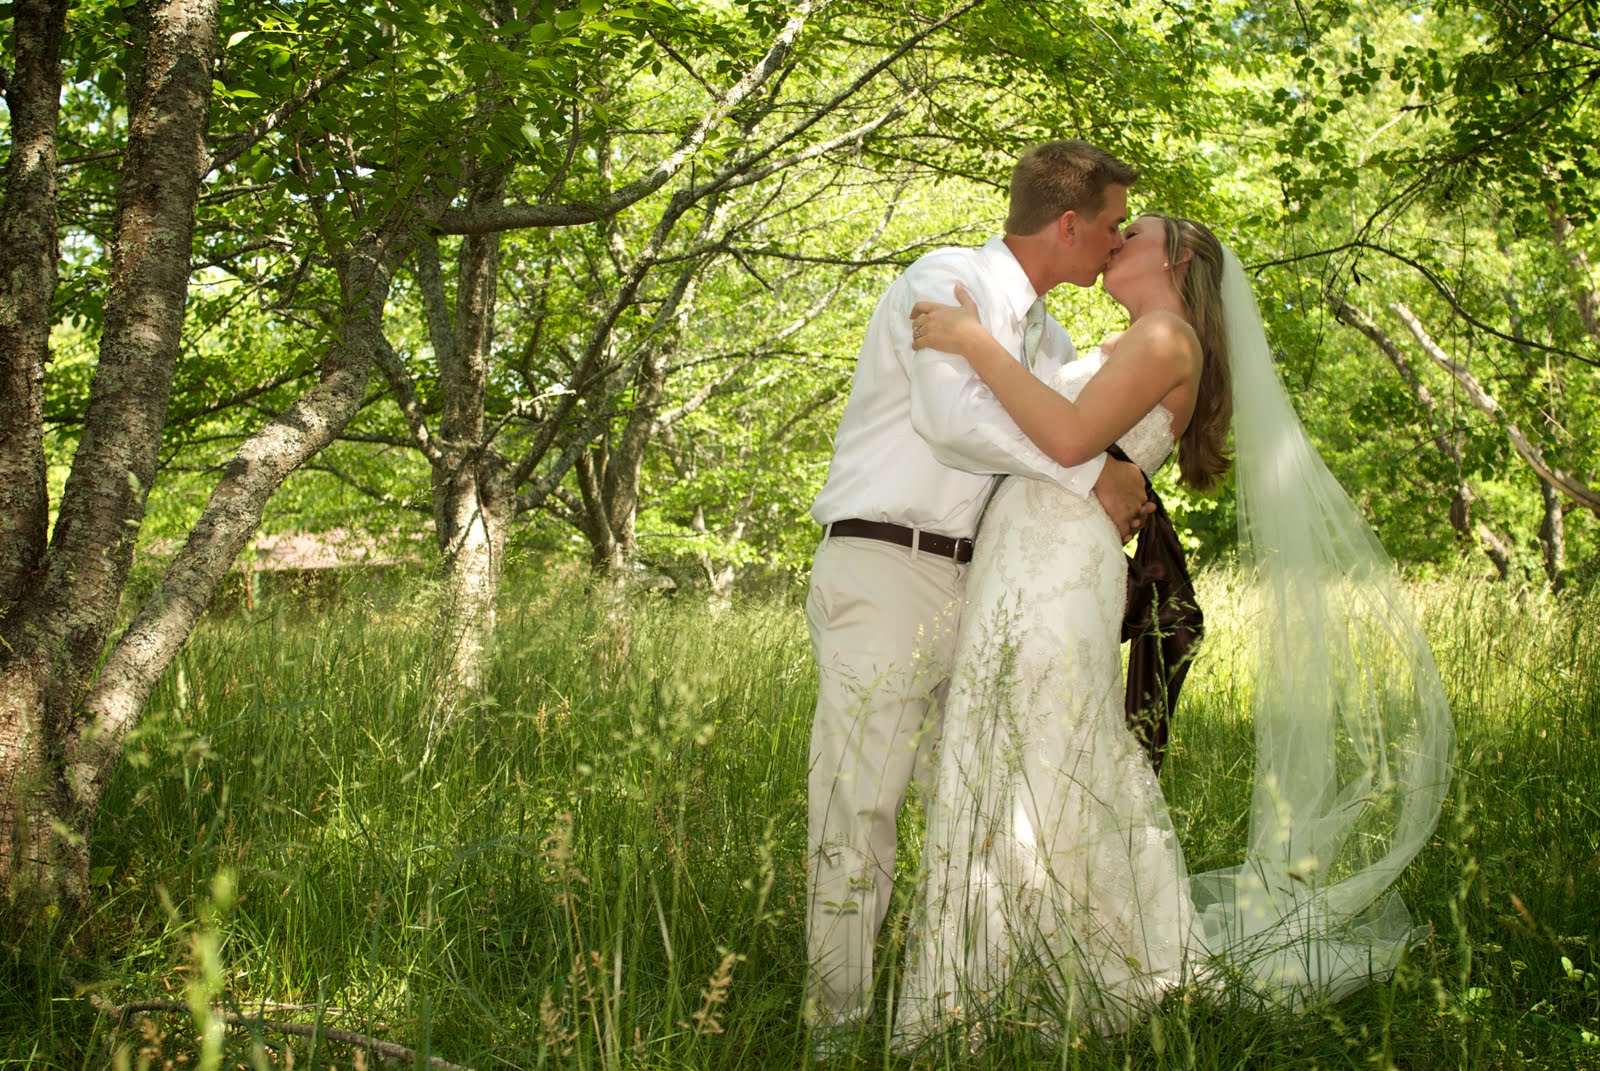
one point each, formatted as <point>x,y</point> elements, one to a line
<point>53,633</point>
<point>28,272</point>
<point>473,502</point>
<point>66,701</point>
<point>1553,536</point>
<point>230,519</point>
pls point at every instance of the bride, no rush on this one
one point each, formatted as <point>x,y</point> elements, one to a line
<point>1054,885</point>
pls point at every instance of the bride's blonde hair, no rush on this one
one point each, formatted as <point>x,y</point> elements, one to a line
<point>1202,449</point>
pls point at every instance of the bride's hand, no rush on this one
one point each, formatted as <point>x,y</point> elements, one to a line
<point>950,328</point>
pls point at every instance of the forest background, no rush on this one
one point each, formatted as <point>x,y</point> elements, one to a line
<point>496,288</point>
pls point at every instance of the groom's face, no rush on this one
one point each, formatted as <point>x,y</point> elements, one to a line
<point>1092,240</point>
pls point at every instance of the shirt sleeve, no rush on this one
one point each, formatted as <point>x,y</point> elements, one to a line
<point>959,417</point>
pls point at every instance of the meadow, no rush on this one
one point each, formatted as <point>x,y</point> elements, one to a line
<point>602,864</point>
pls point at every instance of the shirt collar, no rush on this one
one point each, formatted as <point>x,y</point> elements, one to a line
<point>1011,282</point>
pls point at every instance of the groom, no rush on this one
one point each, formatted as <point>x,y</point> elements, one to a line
<point>914,459</point>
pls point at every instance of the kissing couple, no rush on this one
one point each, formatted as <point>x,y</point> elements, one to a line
<point>983,661</point>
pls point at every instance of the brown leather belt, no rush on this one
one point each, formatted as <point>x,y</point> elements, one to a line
<point>960,550</point>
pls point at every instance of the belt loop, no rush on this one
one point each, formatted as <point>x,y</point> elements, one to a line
<point>827,531</point>
<point>916,540</point>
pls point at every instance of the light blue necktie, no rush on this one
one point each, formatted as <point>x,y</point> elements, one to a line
<point>1032,332</point>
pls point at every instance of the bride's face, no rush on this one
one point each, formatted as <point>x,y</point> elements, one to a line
<point>1142,259</point>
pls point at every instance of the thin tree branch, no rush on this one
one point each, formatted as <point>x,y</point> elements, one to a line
<point>385,1049</point>
<point>1572,487</point>
<point>374,493</point>
<point>429,274</point>
<point>377,439</point>
<point>1492,543</point>
<point>550,481</point>
<point>816,114</point>
<point>405,395</point>
<point>1437,283</point>
<point>238,397</point>
<point>237,145</point>
<point>517,216</point>
<point>89,158</point>
<point>730,180</point>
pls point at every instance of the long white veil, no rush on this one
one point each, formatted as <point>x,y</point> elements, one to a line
<point>1354,741</point>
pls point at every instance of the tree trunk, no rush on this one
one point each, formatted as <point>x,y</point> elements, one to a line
<point>720,579</point>
<point>1498,550</point>
<point>625,467</point>
<point>611,491</point>
<point>1585,296</point>
<point>28,272</point>
<point>43,859</point>
<point>230,518</point>
<point>54,635</point>
<point>473,500</point>
<point>1552,537</point>
<point>609,548</point>
<point>611,494</point>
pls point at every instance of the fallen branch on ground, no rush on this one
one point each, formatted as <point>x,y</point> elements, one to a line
<point>386,1049</point>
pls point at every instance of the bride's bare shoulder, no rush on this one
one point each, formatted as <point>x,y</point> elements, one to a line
<point>1162,334</point>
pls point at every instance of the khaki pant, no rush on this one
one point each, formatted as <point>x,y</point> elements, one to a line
<point>883,621</point>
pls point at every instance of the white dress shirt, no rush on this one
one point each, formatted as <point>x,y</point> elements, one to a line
<point>922,436</point>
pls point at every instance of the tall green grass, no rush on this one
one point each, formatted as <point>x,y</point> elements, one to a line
<point>602,864</point>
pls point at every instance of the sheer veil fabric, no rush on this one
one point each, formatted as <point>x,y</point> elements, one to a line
<point>1354,741</point>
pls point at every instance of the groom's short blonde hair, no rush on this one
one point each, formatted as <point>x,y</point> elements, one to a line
<point>1059,177</point>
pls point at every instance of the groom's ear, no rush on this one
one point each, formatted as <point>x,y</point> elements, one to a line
<point>1067,226</point>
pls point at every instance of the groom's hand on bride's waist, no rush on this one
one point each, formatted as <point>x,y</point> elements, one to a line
<point>1121,491</point>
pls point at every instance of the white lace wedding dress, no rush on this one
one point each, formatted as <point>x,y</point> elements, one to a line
<point>1055,888</point>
